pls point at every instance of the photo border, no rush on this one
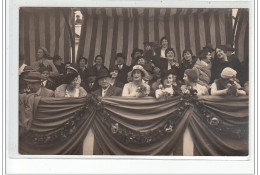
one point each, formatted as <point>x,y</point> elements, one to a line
<point>121,162</point>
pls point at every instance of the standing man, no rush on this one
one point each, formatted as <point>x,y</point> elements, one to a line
<point>123,69</point>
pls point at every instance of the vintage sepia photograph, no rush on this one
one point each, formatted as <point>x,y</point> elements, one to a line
<point>134,81</point>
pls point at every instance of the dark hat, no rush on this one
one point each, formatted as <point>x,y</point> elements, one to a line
<point>82,58</point>
<point>208,47</point>
<point>168,72</point>
<point>229,47</point>
<point>136,50</point>
<point>112,68</point>
<point>70,77</point>
<point>192,74</point>
<point>120,55</point>
<point>34,77</point>
<point>102,74</point>
<point>56,57</point>
<point>28,69</point>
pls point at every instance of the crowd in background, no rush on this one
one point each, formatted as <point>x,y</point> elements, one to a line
<point>154,71</point>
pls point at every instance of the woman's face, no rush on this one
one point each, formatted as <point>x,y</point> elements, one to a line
<point>164,43</point>
<point>186,79</point>
<point>208,58</point>
<point>114,73</point>
<point>82,63</point>
<point>187,56</point>
<point>168,81</point>
<point>170,55</point>
<point>141,61</point>
<point>220,53</point>
<point>74,83</point>
<point>40,53</point>
<point>137,75</point>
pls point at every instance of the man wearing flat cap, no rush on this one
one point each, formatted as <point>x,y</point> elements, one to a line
<point>106,89</point>
<point>34,80</point>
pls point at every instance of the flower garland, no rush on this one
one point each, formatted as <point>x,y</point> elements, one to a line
<point>68,128</point>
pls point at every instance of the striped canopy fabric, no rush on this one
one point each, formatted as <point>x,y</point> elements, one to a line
<point>242,35</point>
<point>45,27</point>
<point>107,31</point>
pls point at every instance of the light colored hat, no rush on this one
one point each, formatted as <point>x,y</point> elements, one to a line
<point>139,67</point>
<point>228,73</point>
<point>73,69</point>
<point>34,77</point>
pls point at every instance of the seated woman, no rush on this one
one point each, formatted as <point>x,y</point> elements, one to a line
<point>114,81</point>
<point>71,88</point>
<point>137,88</point>
<point>165,88</point>
<point>188,61</point>
<point>227,84</point>
<point>190,79</point>
<point>203,66</point>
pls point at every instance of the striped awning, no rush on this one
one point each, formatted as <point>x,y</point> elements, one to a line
<point>107,31</point>
<point>45,27</point>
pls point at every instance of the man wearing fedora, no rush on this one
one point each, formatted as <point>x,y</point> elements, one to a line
<point>34,80</point>
<point>106,89</point>
<point>123,69</point>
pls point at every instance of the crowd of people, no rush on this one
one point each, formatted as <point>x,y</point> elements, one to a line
<point>154,71</point>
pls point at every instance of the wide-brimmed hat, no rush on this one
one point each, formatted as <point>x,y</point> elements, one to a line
<point>34,77</point>
<point>112,68</point>
<point>139,67</point>
<point>103,73</point>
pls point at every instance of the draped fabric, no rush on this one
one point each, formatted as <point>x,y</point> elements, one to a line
<point>45,27</point>
<point>107,31</point>
<point>127,126</point>
<point>242,35</point>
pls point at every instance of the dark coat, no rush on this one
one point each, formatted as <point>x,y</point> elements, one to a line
<point>95,70</point>
<point>122,74</point>
<point>91,89</point>
<point>46,92</point>
<point>186,65</point>
<point>112,91</point>
<point>83,74</point>
<point>164,68</point>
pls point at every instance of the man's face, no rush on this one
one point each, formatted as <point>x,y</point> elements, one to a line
<point>141,61</point>
<point>148,47</point>
<point>104,82</point>
<point>137,54</point>
<point>34,86</point>
<point>40,53</point>
<point>120,60</point>
<point>45,75</point>
<point>82,63</point>
<point>99,61</point>
<point>91,79</point>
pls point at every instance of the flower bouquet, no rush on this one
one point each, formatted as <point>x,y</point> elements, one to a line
<point>142,91</point>
<point>164,93</point>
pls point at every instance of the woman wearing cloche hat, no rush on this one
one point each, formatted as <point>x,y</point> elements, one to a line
<point>137,88</point>
<point>227,84</point>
